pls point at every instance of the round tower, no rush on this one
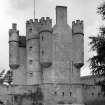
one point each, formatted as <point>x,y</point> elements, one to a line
<point>78,48</point>
<point>32,46</point>
<point>46,42</point>
<point>77,59</point>
<point>14,47</point>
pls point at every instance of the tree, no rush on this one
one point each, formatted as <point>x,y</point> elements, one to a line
<point>8,77</point>
<point>97,62</point>
<point>2,73</point>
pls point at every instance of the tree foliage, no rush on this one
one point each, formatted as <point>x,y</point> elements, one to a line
<point>2,76</point>
<point>97,62</point>
<point>8,77</point>
<point>101,10</point>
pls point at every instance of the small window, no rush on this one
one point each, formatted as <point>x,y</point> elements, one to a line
<point>30,30</point>
<point>70,93</point>
<point>62,93</point>
<point>55,93</point>
<point>30,48</point>
<point>10,54</point>
<point>92,94</point>
<point>42,52</point>
<point>42,37</point>
<point>30,61</point>
<point>31,74</point>
<point>99,94</point>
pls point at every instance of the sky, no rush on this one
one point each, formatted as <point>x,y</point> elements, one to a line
<point>18,11</point>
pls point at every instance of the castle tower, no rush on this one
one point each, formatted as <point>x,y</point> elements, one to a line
<point>46,49</point>
<point>14,47</point>
<point>46,42</point>
<point>32,47</point>
<point>78,59</point>
<point>78,48</point>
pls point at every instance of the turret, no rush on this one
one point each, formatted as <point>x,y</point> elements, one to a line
<point>78,43</point>
<point>46,42</point>
<point>77,49</point>
<point>14,47</point>
<point>32,46</point>
<point>78,58</point>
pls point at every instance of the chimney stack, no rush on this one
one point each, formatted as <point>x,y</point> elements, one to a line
<point>61,15</point>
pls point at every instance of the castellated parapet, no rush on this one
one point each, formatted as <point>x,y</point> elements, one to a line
<point>77,27</point>
<point>31,29</point>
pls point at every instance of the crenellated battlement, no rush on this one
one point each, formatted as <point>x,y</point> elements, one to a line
<point>77,22</point>
<point>34,27</point>
<point>14,33</point>
<point>41,21</point>
<point>46,24</point>
<point>45,21</point>
<point>77,27</point>
<point>14,26</point>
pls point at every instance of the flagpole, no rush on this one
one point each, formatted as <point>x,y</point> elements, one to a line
<point>34,9</point>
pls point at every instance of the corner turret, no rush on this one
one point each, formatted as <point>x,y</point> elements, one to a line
<point>45,42</point>
<point>77,49</point>
<point>78,43</point>
<point>77,27</point>
<point>14,47</point>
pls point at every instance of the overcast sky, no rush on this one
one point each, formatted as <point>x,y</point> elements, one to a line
<point>18,11</point>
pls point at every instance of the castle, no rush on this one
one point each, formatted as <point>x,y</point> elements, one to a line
<point>46,64</point>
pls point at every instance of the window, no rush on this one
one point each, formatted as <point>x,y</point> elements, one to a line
<point>10,54</point>
<point>70,93</point>
<point>42,37</point>
<point>55,93</point>
<point>30,48</point>
<point>30,30</point>
<point>92,94</point>
<point>30,61</point>
<point>62,93</point>
<point>31,74</point>
<point>99,94</point>
<point>42,52</point>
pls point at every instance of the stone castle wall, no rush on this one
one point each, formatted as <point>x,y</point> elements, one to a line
<point>46,68</point>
